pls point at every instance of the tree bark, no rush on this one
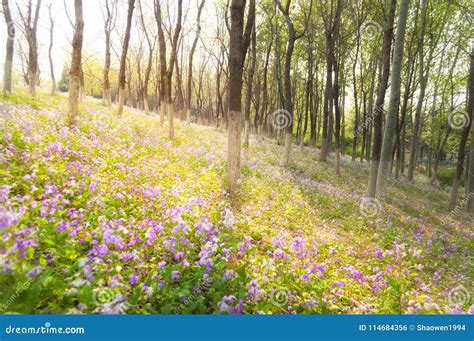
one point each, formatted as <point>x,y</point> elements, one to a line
<point>235,93</point>
<point>377,114</point>
<point>248,97</point>
<point>190,64</point>
<point>75,72</point>
<point>392,113</point>
<point>50,50</point>
<point>109,25</point>
<point>470,180</point>
<point>123,58</point>
<point>7,73</point>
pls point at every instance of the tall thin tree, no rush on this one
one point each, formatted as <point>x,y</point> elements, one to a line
<point>30,26</point>
<point>123,58</point>
<point>190,64</point>
<point>390,126</point>
<point>75,72</point>
<point>50,50</point>
<point>7,73</point>
<point>382,88</point>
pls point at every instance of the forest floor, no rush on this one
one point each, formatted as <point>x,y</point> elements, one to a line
<point>114,217</point>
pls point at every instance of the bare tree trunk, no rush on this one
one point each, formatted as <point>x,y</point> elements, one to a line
<point>460,163</point>
<point>288,100</point>
<point>169,72</point>
<point>330,24</point>
<point>423,79</point>
<point>190,64</point>
<point>382,88</point>
<point>235,93</point>
<point>162,53</point>
<point>75,72</point>
<point>50,49</point>
<point>392,113</point>
<point>470,179</point>
<point>109,25</point>
<point>30,24</point>
<point>151,48</point>
<point>123,58</point>
<point>7,73</point>
<point>248,97</point>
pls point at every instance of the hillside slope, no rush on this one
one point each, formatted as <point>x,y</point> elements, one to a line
<point>113,217</point>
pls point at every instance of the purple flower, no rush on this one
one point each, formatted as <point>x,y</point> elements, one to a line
<point>174,275</point>
<point>339,284</point>
<point>133,280</point>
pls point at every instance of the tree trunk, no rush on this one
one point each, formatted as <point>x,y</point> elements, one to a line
<point>460,164</point>
<point>470,180</point>
<point>392,113</point>
<point>7,73</point>
<point>50,50</point>
<point>190,64</point>
<point>248,97</point>
<point>235,93</point>
<point>377,113</point>
<point>75,72</point>
<point>108,26</point>
<point>123,58</point>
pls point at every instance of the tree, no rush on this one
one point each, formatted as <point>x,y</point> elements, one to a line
<point>250,75</point>
<point>7,73</point>
<point>382,88</point>
<point>123,58</point>
<point>151,48</point>
<point>162,59</point>
<point>236,60</point>
<point>288,101</point>
<point>388,140</point>
<point>50,50</point>
<point>169,71</point>
<point>75,72</point>
<point>109,25</point>
<point>190,63</point>
<point>331,22</point>
<point>470,192</point>
<point>30,26</point>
